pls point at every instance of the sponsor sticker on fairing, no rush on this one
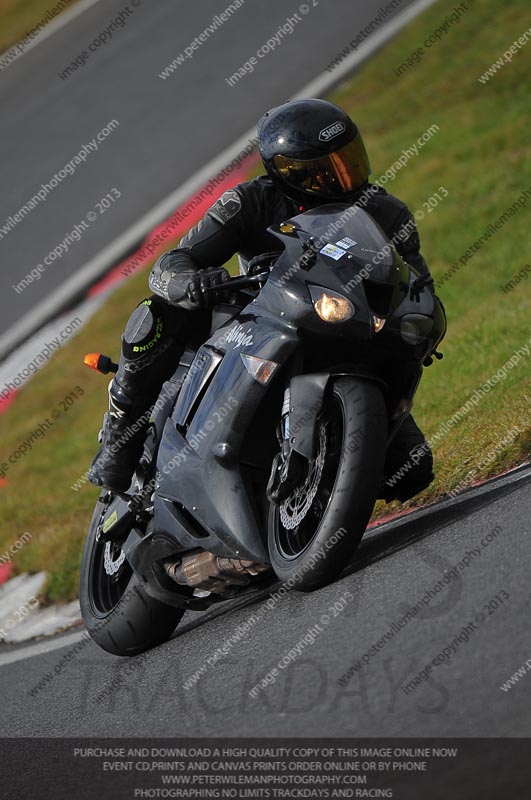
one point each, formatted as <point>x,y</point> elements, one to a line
<point>346,242</point>
<point>333,251</point>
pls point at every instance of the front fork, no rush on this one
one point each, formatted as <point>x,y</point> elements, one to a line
<point>303,403</point>
<point>290,468</point>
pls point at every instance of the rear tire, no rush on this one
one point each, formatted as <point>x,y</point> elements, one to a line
<point>309,544</point>
<point>119,615</point>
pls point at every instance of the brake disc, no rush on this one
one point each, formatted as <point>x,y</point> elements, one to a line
<point>296,506</point>
<point>112,565</point>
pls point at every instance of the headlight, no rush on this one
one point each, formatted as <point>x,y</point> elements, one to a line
<point>330,306</point>
<point>415,328</point>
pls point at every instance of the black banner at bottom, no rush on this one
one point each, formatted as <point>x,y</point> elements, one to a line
<point>403,769</point>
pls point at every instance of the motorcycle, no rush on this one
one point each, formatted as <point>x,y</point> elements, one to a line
<point>265,451</point>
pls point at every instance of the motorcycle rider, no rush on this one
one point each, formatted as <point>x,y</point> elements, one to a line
<point>313,153</point>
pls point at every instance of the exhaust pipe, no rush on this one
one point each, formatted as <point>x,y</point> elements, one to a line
<point>213,573</point>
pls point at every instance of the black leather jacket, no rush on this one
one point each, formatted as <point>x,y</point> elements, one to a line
<point>238,222</point>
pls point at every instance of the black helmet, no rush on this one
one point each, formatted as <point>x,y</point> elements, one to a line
<point>312,149</point>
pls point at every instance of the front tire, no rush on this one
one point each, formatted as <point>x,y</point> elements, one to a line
<point>119,615</point>
<point>316,530</point>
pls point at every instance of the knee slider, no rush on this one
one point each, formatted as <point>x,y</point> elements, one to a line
<point>144,330</point>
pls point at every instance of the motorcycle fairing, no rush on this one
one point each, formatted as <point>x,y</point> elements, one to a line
<point>209,443</point>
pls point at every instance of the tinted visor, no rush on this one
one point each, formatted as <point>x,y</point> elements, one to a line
<point>332,175</point>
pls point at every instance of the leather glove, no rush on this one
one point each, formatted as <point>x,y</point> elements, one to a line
<point>198,288</point>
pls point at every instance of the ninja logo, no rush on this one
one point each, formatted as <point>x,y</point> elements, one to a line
<point>240,336</point>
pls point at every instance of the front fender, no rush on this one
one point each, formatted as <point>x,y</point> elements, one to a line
<point>307,394</point>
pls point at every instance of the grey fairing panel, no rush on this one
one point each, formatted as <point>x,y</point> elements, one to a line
<point>211,487</point>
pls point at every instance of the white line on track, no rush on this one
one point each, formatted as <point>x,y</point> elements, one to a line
<point>53,27</point>
<point>39,649</point>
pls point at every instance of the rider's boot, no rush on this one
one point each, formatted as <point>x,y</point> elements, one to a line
<point>121,437</point>
<point>151,348</point>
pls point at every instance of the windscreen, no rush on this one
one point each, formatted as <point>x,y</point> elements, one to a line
<point>349,238</point>
<point>353,255</point>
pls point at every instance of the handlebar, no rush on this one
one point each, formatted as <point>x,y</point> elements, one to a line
<point>241,282</point>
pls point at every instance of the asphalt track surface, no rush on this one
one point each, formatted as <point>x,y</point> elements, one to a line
<point>168,129</point>
<point>396,566</point>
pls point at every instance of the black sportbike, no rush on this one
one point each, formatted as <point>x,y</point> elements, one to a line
<point>265,450</point>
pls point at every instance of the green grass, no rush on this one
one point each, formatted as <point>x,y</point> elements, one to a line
<point>482,155</point>
<point>18,17</point>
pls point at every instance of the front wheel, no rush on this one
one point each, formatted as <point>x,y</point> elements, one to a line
<point>317,528</point>
<point>119,615</point>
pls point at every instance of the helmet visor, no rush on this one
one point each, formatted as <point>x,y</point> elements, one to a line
<point>333,175</point>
